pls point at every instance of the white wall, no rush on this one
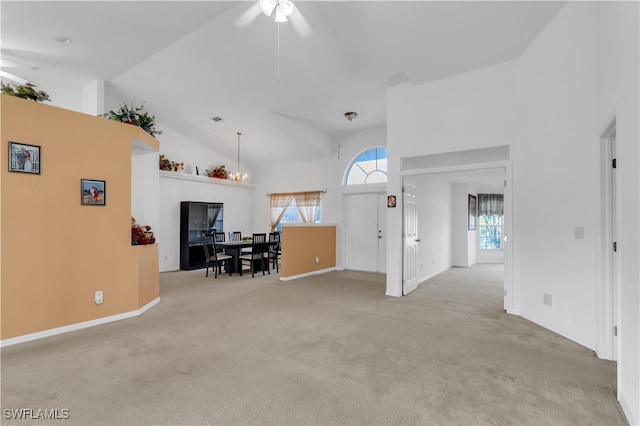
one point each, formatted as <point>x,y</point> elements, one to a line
<point>435,207</point>
<point>464,246</point>
<point>549,106</point>
<point>468,111</point>
<point>556,178</point>
<point>617,92</point>
<point>316,175</point>
<point>551,120</point>
<point>178,148</point>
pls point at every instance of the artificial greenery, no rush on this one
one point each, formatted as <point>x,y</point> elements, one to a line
<point>135,115</point>
<point>25,91</point>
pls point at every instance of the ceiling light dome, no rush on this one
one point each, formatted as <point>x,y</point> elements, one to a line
<point>350,115</point>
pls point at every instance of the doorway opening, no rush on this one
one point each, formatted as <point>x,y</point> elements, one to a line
<point>465,178</point>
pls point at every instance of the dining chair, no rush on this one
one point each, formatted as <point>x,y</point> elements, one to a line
<point>219,237</point>
<point>273,251</point>
<point>257,254</point>
<point>235,236</point>
<point>214,258</point>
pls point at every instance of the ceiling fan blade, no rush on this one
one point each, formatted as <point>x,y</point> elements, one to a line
<point>300,24</point>
<point>249,16</point>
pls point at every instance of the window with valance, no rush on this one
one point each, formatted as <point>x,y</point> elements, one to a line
<point>490,221</point>
<point>301,207</point>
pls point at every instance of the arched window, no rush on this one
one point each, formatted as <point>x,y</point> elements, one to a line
<point>370,166</point>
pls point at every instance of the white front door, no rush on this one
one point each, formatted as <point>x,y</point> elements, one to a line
<point>410,234</point>
<point>365,222</point>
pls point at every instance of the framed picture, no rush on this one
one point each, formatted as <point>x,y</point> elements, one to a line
<point>93,192</point>
<point>391,201</point>
<point>24,158</point>
<point>472,212</point>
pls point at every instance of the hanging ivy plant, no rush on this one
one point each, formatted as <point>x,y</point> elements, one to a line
<point>135,115</point>
<point>25,91</point>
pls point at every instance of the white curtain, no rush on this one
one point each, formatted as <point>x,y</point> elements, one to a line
<point>308,203</point>
<point>279,204</point>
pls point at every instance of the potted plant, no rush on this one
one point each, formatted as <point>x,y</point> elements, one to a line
<point>25,91</point>
<point>135,115</point>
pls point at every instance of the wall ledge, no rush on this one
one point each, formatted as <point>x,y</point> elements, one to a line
<point>78,326</point>
<point>203,179</point>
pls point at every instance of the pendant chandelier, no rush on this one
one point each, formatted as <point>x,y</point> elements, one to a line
<point>237,177</point>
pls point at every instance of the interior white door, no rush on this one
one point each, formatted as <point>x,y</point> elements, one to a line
<point>362,232</point>
<point>382,233</point>
<point>614,264</point>
<point>410,234</point>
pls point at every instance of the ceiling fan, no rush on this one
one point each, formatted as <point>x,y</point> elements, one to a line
<point>281,11</point>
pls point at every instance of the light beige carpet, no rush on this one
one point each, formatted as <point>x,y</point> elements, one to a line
<point>330,349</point>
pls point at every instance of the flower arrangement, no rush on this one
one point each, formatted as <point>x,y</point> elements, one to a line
<point>135,115</point>
<point>218,172</point>
<point>170,166</point>
<point>25,91</point>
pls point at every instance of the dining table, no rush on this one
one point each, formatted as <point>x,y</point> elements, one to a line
<point>234,249</point>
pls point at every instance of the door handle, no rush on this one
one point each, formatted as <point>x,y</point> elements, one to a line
<point>417,240</point>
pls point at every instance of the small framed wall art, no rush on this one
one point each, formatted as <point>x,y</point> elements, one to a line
<point>24,158</point>
<point>472,211</point>
<point>391,201</point>
<point>93,192</point>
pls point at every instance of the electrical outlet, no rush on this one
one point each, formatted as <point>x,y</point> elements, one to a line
<point>98,297</point>
<point>317,259</point>
<point>547,299</point>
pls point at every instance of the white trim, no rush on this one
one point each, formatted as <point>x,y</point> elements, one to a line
<point>77,326</point>
<point>628,412</point>
<point>308,274</point>
<point>298,224</point>
<point>461,167</point>
<point>364,188</point>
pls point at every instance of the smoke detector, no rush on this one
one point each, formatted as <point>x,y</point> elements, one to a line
<point>350,115</point>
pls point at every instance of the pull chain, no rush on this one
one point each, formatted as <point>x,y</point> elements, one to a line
<point>278,55</point>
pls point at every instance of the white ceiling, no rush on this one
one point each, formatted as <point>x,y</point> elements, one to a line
<point>188,61</point>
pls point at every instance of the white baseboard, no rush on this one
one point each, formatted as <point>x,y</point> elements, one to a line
<point>626,409</point>
<point>307,274</point>
<point>78,326</point>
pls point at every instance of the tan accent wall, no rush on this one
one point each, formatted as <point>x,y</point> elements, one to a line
<point>148,273</point>
<point>301,245</point>
<point>55,253</point>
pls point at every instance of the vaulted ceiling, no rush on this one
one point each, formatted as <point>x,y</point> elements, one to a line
<point>190,61</point>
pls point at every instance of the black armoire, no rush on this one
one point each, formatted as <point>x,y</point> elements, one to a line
<point>196,218</point>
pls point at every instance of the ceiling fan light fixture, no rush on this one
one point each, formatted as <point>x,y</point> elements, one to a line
<point>351,115</point>
<point>279,8</point>
<point>267,6</point>
<point>279,16</point>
